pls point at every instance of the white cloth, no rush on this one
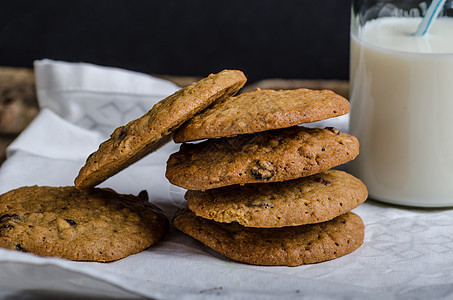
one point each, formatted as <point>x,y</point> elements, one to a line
<point>94,97</point>
<point>407,253</point>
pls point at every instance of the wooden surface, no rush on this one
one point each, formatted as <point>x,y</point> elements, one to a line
<point>18,104</point>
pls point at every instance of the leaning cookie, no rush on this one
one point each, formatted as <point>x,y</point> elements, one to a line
<point>288,246</point>
<point>270,156</point>
<point>314,199</point>
<point>138,138</point>
<point>262,110</point>
<point>96,225</point>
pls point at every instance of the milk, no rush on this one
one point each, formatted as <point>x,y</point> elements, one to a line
<point>402,111</point>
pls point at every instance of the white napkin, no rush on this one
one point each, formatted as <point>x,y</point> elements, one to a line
<point>94,97</point>
<point>407,253</point>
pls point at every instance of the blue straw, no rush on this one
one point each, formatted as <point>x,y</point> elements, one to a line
<point>431,14</point>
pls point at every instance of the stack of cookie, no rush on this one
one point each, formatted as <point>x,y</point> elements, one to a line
<point>260,188</point>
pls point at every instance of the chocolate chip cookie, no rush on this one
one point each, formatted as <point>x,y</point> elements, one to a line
<point>314,199</point>
<point>262,110</point>
<point>96,225</point>
<point>138,138</point>
<point>287,246</point>
<point>270,156</point>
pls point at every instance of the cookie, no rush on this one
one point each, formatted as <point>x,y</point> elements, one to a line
<point>314,199</point>
<point>269,156</point>
<point>96,225</point>
<point>287,246</point>
<point>18,104</point>
<point>131,142</point>
<point>262,110</point>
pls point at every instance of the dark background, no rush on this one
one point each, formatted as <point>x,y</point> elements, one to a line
<point>264,38</point>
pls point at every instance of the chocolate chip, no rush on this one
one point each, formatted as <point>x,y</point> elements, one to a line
<point>71,222</point>
<point>7,217</point>
<point>143,195</point>
<point>20,248</point>
<point>320,180</point>
<point>263,170</point>
<point>123,133</point>
<point>323,149</point>
<point>7,226</point>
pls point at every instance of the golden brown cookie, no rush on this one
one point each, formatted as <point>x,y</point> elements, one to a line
<point>287,246</point>
<point>314,199</point>
<point>269,156</point>
<point>95,225</point>
<point>262,110</point>
<point>138,138</point>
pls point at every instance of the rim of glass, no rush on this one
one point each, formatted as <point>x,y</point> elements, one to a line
<point>361,41</point>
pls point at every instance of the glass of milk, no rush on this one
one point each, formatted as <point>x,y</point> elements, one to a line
<point>402,102</point>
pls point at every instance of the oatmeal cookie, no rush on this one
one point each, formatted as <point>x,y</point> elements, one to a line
<point>262,110</point>
<point>287,246</point>
<point>269,156</point>
<point>313,199</point>
<point>95,225</point>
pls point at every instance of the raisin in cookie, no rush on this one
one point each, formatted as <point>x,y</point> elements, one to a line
<point>95,225</point>
<point>306,200</point>
<point>131,142</point>
<point>270,156</point>
<point>288,246</point>
<point>262,110</point>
